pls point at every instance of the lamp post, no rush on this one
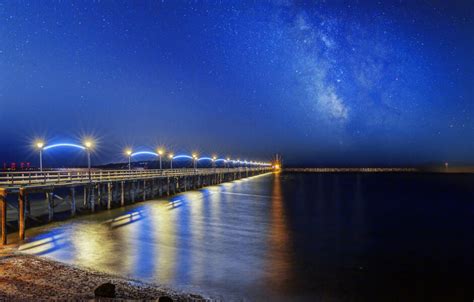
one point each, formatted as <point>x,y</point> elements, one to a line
<point>170,156</point>
<point>88,144</point>
<point>214,162</point>
<point>194,161</point>
<point>160,153</point>
<point>129,154</point>
<point>228,162</point>
<point>40,145</point>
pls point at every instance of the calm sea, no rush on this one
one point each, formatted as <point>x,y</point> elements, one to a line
<point>288,237</point>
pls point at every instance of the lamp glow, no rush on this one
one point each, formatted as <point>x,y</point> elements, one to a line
<point>39,144</point>
<point>170,156</point>
<point>88,144</point>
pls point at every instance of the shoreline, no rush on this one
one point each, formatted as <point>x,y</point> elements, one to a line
<point>26,277</point>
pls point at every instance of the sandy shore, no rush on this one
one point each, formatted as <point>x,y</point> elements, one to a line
<point>31,278</point>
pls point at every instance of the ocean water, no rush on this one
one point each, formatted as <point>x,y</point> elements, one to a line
<point>288,237</point>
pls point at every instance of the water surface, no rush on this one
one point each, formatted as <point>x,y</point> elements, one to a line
<point>308,237</point>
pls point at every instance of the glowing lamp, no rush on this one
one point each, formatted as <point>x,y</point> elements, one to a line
<point>88,144</point>
<point>39,144</point>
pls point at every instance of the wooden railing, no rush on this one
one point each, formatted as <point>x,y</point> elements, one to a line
<point>13,179</point>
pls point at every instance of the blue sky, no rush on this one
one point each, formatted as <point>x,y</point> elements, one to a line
<point>322,83</point>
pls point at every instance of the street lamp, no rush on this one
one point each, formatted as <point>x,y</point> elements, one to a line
<point>160,153</point>
<point>214,161</point>
<point>194,161</point>
<point>128,152</point>
<point>40,144</point>
<point>88,144</point>
<point>170,156</point>
<point>228,162</point>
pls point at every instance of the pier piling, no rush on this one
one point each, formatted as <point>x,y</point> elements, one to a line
<point>73,201</point>
<point>3,214</point>
<point>50,200</point>
<point>109,195</point>
<point>21,213</point>
<point>122,193</point>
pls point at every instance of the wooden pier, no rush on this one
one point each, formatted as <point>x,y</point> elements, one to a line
<point>103,188</point>
<point>350,170</point>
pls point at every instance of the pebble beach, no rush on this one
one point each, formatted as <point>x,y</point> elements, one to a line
<point>32,278</point>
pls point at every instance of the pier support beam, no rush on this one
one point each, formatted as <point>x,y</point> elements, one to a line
<point>160,187</point>
<point>137,189</point>
<point>122,195</point>
<point>73,201</point>
<point>99,195</point>
<point>92,197</point>
<point>21,213</point>
<point>168,187</point>
<point>3,214</point>
<point>50,198</point>
<point>109,195</point>
<point>84,204</point>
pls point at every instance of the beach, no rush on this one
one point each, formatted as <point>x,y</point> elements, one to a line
<point>32,278</point>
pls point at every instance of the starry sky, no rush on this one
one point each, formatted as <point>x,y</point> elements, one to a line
<point>321,82</point>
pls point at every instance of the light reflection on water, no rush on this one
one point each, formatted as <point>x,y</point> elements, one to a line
<point>207,241</point>
<point>286,237</point>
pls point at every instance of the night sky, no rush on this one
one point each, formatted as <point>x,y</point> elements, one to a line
<point>335,83</point>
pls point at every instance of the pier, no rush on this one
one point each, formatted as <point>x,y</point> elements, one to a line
<point>100,189</point>
<point>351,170</point>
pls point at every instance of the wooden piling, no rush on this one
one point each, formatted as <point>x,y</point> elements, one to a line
<point>92,199</point>
<point>144,190</point>
<point>99,195</point>
<point>84,204</point>
<point>109,195</point>
<point>3,214</point>
<point>73,201</point>
<point>21,213</point>
<point>152,195</point>
<point>122,195</point>
<point>168,187</point>
<point>50,197</point>
<point>137,188</point>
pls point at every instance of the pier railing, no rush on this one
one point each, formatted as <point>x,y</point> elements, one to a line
<point>22,178</point>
